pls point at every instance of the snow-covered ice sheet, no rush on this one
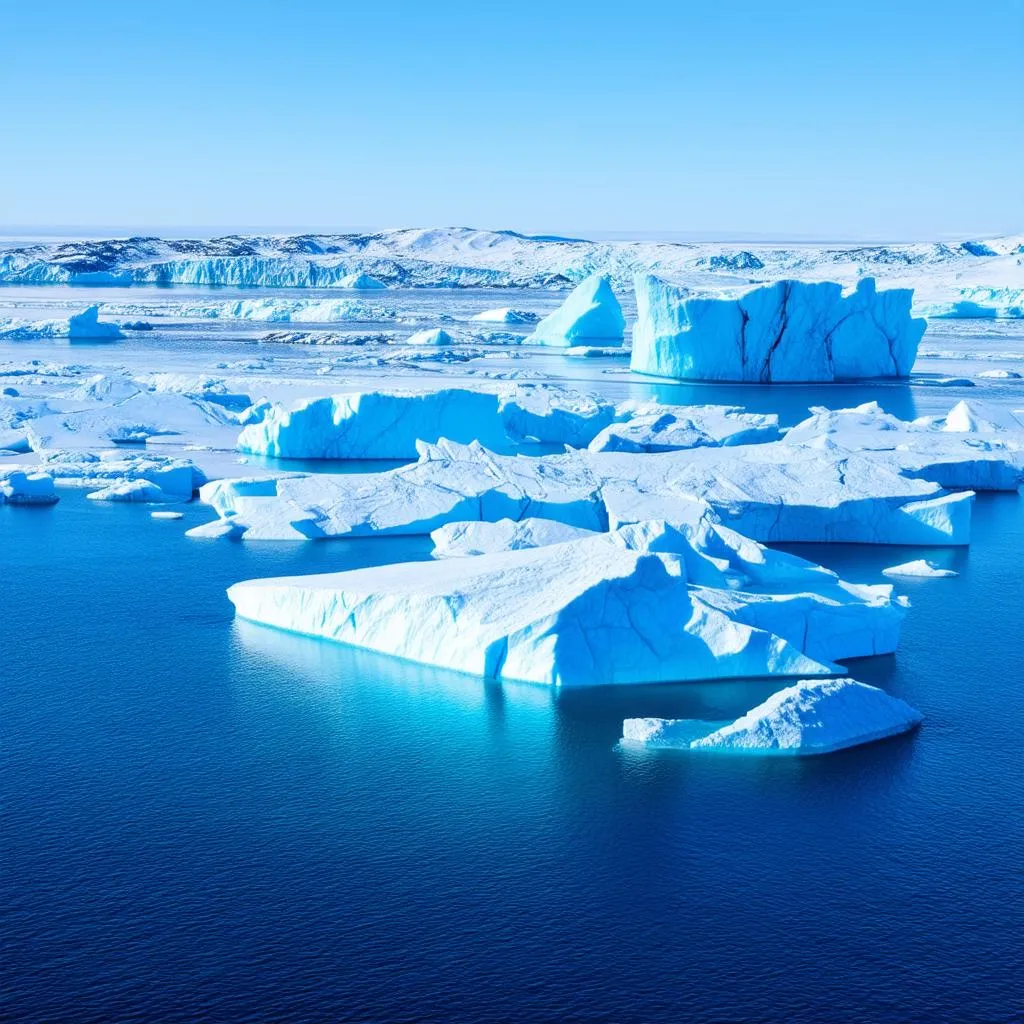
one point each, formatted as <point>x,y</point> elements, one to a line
<point>814,716</point>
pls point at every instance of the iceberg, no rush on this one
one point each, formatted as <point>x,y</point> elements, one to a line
<point>657,428</point>
<point>552,415</point>
<point>130,491</point>
<point>590,315</point>
<point>919,567</point>
<point>434,337</point>
<point>374,425</point>
<point>583,613</point>
<point>18,487</point>
<point>787,331</point>
<point>768,492</point>
<point>804,603</point>
<point>176,478</point>
<point>971,447</point>
<point>815,716</point>
<point>82,326</point>
<point>142,418</point>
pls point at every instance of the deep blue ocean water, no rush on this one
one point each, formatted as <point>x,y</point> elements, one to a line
<point>206,820</point>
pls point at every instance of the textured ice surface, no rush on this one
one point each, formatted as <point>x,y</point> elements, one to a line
<point>970,447</point>
<point>583,613</point>
<point>812,717</point>
<point>590,315</point>
<point>770,492</point>
<point>437,336</point>
<point>650,427</point>
<point>505,315</point>
<point>477,538</point>
<point>787,331</point>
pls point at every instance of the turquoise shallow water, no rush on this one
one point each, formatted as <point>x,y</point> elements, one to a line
<point>209,820</point>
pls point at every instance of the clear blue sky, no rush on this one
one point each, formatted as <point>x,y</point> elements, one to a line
<point>869,119</point>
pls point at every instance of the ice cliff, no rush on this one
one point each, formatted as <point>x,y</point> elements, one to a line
<point>786,331</point>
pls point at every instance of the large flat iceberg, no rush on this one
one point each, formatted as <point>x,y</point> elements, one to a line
<point>769,492</point>
<point>813,717</point>
<point>583,613</point>
<point>786,331</point>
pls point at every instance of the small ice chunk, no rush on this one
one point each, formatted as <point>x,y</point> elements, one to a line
<point>130,490</point>
<point>815,716</point>
<point>506,316</point>
<point>166,515</point>
<point>438,336</point>
<point>26,488</point>
<point>919,567</point>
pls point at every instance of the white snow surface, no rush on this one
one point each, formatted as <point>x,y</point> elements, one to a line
<point>85,325</point>
<point>786,331</point>
<point>814,716</point>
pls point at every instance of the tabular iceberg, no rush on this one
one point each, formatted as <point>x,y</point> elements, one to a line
<point>458,540</point>
<point>787,331</point>
<point>770,492</point>
<point>812,717</point>
<point>374,425</point>
<point>591,315</point>
<point>583,613</point>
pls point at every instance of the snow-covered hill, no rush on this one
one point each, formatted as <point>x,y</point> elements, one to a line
<point>466,257</point>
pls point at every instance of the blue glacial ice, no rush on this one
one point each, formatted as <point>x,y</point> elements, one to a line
<point>786,331</point>
<point>815,716</point>
<point>591,315</point>
<point>20,487</point>
<point>85,325</point>
<point>583,613</point>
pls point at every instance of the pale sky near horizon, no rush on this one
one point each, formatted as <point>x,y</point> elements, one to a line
<point>786,119</point>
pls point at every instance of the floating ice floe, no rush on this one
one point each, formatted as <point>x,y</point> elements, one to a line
<point>813,717</point>
<point>590,315</point>
<point>769,492</point>
<point>142,418</point>
<point>999,375</point>
<point>649,427</point>
<point>919,567</point>
<point>584,613</point>
<point>166,515</point>
<point>506,316</point>
<point>787,331</point>
<point>82,326</point>
<point>18,487</point>
<point>973,446</point>
<point>176,478</point>
<point>131,491</point>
